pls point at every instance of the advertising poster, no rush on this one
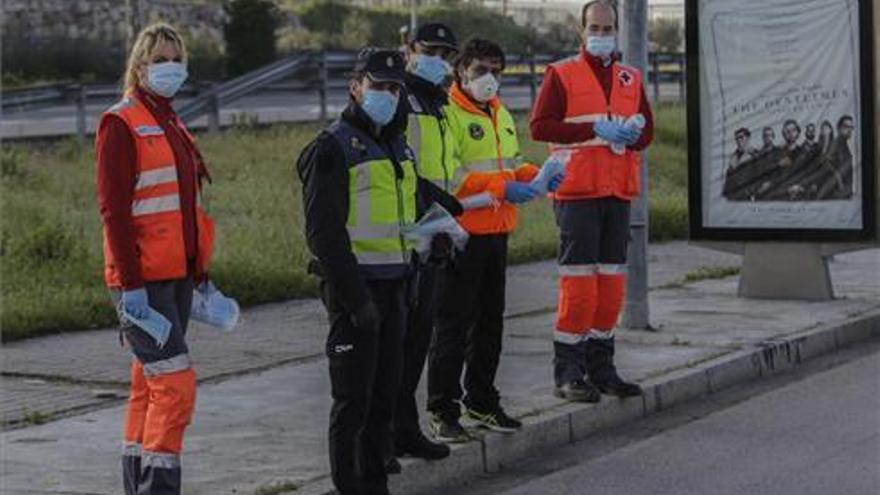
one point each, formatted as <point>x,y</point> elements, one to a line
<point>785,98</point>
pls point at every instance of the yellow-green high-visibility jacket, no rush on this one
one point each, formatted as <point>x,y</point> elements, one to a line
<point>382,198</point>
<point>487,156</point>
<point>429,136</point>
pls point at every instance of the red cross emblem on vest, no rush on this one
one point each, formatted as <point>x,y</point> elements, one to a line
<point>625,77</point>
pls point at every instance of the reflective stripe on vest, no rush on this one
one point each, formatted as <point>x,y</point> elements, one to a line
<point>162,204</point>
<point>155,177</point>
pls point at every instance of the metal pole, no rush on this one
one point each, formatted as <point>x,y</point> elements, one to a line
<point>81,114</point>
<point>413,17</point>
<point>682,79</point>
<point>322,91</point>
<point>214,112</point>
<point>636,313</point>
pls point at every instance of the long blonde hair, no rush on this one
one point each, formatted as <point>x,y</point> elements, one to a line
<point>148,41</point>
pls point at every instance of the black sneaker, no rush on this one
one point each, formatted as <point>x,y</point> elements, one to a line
<point>416,445</point>
<point>614,385</point>
<point>578,391</point>
<point>495,419</point>
<point>392,466</point>
<point>448,429</point>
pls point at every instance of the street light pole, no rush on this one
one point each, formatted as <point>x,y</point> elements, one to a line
<point>413,17</point>
<point>636,313</point>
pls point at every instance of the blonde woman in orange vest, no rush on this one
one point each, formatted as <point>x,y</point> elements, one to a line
<point>594,108</point>
<point>157,241</point>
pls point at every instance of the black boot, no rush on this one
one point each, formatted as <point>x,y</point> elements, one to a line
<point>601,370</point>
<point>416,445</point>
<point>578,391</point>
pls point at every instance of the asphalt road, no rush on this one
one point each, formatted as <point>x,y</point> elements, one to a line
<point>815,431</point>
<point>264,108</point>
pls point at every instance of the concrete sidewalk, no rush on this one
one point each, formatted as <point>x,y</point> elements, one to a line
<point>70,373</point>
<point>269,429</point>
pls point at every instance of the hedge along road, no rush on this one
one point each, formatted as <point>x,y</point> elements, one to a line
<point>50,243</point>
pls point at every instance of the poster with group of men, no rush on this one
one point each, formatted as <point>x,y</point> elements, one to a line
<point>781,114</point>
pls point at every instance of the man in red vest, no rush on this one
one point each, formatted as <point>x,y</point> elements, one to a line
<point>594,112</point>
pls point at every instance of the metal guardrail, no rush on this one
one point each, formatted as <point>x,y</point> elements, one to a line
<point>318,72</point>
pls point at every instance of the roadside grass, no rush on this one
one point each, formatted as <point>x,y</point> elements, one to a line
<point>50,241</point>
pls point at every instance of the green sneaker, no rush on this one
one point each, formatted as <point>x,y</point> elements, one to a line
<point>495,419</point>
<point>447,429</point>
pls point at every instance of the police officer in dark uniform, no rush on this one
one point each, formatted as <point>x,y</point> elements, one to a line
<point>359,190</point>
<point>428,134</point>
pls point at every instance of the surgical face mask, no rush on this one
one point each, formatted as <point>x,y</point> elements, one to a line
<point>601,46</point>
<point>166,78</point>
<point>380,106</point>
<point>430,68</point>
<point>483,88</point>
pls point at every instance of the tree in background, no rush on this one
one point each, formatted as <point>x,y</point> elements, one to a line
<point>250,34</point>
<point>665,35</point>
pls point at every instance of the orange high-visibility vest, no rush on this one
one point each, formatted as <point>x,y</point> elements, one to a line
<point>155,206</point>
<point>593,170</point>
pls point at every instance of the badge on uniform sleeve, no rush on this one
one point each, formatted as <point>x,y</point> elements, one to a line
<point>476,131</point>
<point>356,144</point>
<point>626,77</point>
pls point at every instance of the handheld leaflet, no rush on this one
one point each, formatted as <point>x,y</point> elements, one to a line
<point>435,221</point>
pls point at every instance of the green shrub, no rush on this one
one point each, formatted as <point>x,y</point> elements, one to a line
<point>250,35</point>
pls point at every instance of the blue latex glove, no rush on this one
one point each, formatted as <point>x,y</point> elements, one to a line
<point>555,182</point>
<point>613,132</point>
<point>135,302</point>
<point>519,192</point>
<point>631,135</point>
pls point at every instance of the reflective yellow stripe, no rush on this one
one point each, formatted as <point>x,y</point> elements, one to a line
<point>155,177</point>
<point>161,204</point>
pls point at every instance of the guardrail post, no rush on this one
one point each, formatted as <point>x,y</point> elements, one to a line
<point>213,112</point>
<point>533,76</point>
<point>324,88</point>
<point>682,79</point>
<point>655,68</point>
<point>80,99</point>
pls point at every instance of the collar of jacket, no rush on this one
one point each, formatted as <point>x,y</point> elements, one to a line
<point>462,99</point>
<point>432,97</point>
<point>354,115</point>
<point>596,63</point>
<point>159,106</point>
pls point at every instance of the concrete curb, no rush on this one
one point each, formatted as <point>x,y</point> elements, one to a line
<point>568,423</point>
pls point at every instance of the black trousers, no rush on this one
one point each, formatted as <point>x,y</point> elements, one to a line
<point>365,367</point>
<point>419,329</point>
<point>470,322</point>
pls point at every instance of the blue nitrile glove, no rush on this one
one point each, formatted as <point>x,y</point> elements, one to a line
<point>611,131</point>
<point>555,182</point>
<point>631,135</point>
<point>136,303</point>
<point>519,192</point>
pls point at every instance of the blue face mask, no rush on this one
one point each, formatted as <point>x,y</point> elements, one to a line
<point>601,46</point>
<point>380,106</point>
<point>430,68</point>
<point>165,79</point>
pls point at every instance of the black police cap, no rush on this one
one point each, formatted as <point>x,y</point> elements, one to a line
<point>436,34</point>
<point>381,65</point>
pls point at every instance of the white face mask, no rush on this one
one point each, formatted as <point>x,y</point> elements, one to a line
<point>601,46</point>
<point>483,88</point>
